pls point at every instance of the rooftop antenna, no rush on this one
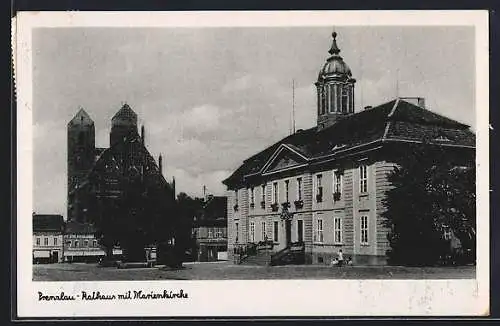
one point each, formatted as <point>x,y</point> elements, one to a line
<point>361,78</point>
<point>397,82</point>
<point>293,106</point>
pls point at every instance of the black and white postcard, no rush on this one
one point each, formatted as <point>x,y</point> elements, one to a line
<point>252,164</point>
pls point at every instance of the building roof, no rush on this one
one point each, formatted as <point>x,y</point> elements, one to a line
<point>73,227</point>
<point>214,212</point>
<point>335,66</point>
<point>394,121</point>
<point>81,118</point>
<point>125,114</point>
<point>48,223</point>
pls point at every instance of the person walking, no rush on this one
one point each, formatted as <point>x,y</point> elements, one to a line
<point>340,258</point>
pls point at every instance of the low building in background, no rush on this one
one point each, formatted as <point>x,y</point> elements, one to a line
<point>81,245</point>
<point>210,230</point>
<point>47,238</point>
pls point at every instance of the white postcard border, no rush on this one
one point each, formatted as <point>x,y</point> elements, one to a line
<point>253,298</point>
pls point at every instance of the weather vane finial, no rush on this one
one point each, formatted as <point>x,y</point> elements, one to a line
<point>334,49</point>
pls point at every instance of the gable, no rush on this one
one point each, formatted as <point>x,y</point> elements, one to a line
<point>284,158</point>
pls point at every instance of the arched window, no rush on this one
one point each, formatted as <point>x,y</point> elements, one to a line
<point>331,107</point>
<point>323,101</point>
<point>344,99</point>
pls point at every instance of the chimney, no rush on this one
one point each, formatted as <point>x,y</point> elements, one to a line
<point>160,163</point>
<point>142,134</point>
<point>173,186</point>
<point>421,102</point>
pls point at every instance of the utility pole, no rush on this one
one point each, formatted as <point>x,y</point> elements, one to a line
<point>293,106</point>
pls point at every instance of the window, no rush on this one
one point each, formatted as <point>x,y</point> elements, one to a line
<point>68,243</point>
<point>363,179</point>
<point>300,230</point>
<point>275,230</point>
<point>322,100</point>
<point>287,183</point>
<point>252,196</point>
<point>337,230</point>
<point>344,99</point>
<point>237,230</point>
<point>37,241</point>
<point>236,198</point>
<point>331,104</point>
<point>364,229</point>
<point>319,100</point>
<point>299,188</point>
<point>337,185</point>
<point>275,193</point>
<point>319,188</point>
<point>319,231</point>
<point>76,243</point>
<point>94,243</point>
<point>447,234</point>
<point>210,233</point>
<point>252,231</point>
<point>263,230</point>
<point>86,243</point>
<point>263,195</point>
<point>45,241</point>
<point>55,241</point>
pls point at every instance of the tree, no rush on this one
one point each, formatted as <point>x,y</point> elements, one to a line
<point>430,192</point>
<point>188,209</point>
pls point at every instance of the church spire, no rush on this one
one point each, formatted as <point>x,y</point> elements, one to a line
<point>334,49</point>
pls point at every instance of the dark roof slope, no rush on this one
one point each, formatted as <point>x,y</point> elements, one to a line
<point>73,227</point>
<point>47,223</point>
<point>395,120</point>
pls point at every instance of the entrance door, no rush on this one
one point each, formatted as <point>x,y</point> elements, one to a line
<point>55,257</point>
<point>288,232</point>
<point>300,231</point>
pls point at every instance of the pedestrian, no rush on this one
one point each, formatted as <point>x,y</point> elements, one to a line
<point>340,258</point>
<point>334,262</point>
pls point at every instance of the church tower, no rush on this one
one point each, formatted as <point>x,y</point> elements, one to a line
<point>123,125</point>
<point>81,154</point>
<point>335,88</point>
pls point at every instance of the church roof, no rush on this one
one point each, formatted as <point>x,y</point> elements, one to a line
<point>394,121</point>
<point>125,113</point>
<point>73,227</point>
<point>47,223</point>
<point>82,118</point>
<point>134,154</point>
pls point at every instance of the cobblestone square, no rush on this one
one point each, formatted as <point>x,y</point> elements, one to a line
<point>227,271</point>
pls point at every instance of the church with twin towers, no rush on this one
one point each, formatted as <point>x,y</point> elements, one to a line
<point>99,173</point>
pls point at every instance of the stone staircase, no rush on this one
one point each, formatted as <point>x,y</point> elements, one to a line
<point>291,255</point>
<point>261,258</point>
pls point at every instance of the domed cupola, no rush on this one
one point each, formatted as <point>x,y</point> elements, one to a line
<point>335,88</point>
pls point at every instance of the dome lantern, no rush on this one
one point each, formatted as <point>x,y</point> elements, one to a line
<point>335,88</point>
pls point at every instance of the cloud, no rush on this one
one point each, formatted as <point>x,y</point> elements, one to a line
<point>207,107</point>
<point>201,118</point>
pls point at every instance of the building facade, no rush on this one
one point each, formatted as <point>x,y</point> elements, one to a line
<point>210,230</point>
<point>47,238</point>
<point>81,245</point>
<point>100,180</point>
<point>323,187</point>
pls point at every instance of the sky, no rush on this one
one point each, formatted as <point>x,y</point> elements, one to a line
<point>211,97</point>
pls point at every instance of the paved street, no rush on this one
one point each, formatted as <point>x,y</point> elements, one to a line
<point>224,270</point>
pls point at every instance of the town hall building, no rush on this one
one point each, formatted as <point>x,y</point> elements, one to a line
<point>322,189</point>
